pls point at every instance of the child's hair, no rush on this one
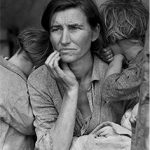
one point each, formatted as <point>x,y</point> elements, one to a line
<point>124,19</point>
<point>36,44</point>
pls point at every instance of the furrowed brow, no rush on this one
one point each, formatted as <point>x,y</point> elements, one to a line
<point>75,25</point>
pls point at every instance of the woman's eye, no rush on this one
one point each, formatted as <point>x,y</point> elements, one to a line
<point>55,29</point>
<point>73,28</point>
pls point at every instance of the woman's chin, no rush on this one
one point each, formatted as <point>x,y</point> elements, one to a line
<point>67,59</point>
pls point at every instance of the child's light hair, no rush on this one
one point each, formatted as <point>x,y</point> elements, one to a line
<point>124,19</point>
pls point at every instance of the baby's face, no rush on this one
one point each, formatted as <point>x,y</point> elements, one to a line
<point>127,114</point>
<point>125,121</point>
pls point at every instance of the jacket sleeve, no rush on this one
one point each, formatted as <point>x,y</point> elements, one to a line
<point>41,95</point>
<point>15,110</point>
<point>123,86</point>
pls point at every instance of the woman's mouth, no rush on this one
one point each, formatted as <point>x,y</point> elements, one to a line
<point>66,50</point>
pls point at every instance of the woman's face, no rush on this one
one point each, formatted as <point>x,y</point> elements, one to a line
<point>71,34</point>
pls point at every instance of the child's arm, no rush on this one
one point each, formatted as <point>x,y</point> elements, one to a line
<point>124,85</point>
<point>115,66</point>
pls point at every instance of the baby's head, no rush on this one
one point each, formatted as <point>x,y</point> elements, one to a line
<point>124,19</point>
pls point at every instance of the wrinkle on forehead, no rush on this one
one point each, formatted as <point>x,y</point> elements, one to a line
<point>69,16</point>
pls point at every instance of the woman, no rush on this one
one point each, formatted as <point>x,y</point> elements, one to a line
<point>67,100</point>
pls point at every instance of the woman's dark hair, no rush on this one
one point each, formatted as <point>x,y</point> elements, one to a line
<point>88,7</point>
<point>36,44</point>
<point>124,19</point>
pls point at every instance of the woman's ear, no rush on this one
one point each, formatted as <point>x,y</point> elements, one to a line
<point>96,33</point>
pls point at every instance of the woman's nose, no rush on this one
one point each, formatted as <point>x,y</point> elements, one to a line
<point>65,37</point>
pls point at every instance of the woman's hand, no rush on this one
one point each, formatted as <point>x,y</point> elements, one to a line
<point>64,74</point>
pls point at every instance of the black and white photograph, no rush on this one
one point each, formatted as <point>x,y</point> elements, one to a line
<point>74,75</point>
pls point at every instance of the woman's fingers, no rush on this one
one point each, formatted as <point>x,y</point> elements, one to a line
<point>50,60</point>
<point>63,73</point>
<point>59,73</point>
<point>56,68</point>
<point>52,64</point>
<point>50,57</point>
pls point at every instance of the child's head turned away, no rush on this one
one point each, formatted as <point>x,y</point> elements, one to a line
<point>36,44</point>
<point>124,19</point>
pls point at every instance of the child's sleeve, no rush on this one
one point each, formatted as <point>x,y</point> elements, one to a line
<point>124,85</point>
